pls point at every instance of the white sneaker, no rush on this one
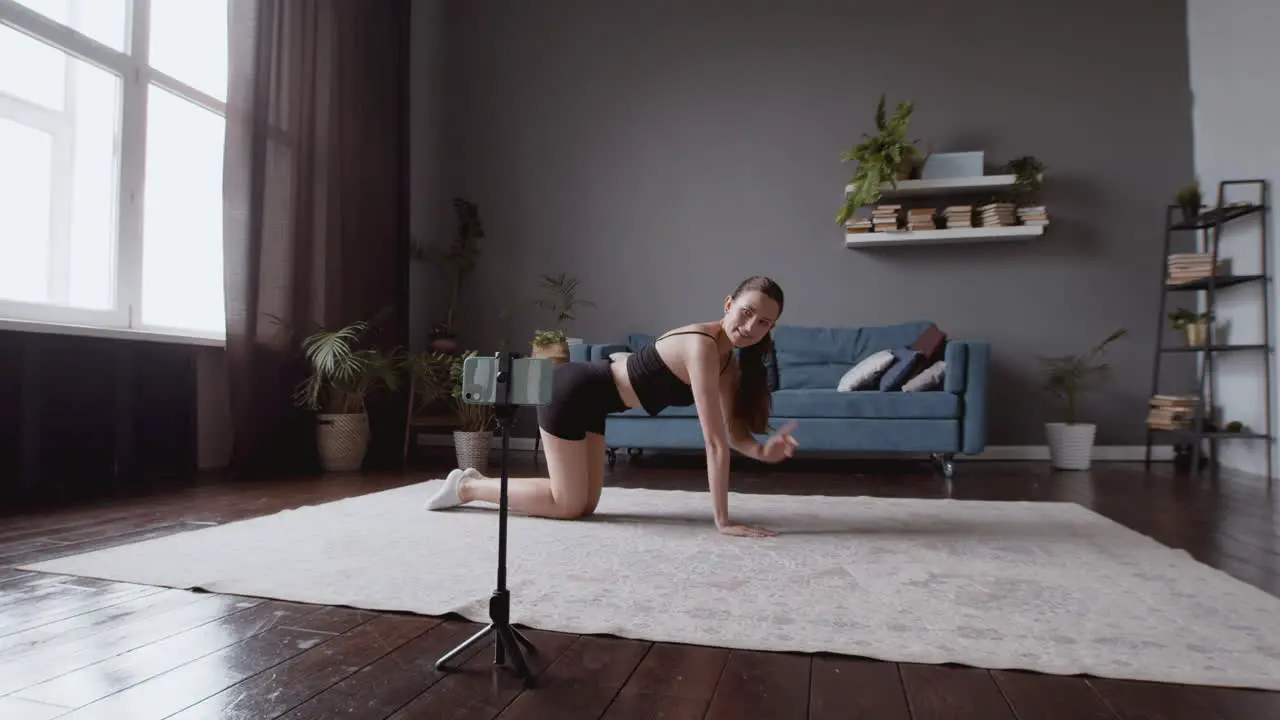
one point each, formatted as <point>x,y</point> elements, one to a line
<point>447,495</point>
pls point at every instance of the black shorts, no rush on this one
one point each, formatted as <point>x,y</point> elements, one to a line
<point>582,394</point>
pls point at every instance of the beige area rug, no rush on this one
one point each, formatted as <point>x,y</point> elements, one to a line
<point>1049,587</point>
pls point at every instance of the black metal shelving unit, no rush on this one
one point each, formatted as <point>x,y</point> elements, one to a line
<point>1208,226</point>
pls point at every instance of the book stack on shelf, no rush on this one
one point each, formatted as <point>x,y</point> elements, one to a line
<point>1033,215</point>
<point>998,214</point>
<point>858,225</point>
<point>1172,412</point>
<point>1189,267</point>
<point>959,216</point>
<point>885,217</point>
<point>921,219</point>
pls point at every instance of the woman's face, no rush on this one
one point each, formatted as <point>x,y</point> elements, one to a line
<point>749,317</point>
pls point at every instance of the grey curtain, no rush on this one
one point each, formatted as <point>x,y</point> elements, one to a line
<point>316,200</point>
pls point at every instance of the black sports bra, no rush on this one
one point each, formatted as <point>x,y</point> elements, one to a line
<point>654,383</point>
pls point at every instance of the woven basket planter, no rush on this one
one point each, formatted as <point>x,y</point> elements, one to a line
<point>557,353</point>
<point>472,449</point>
<point>342,440</point>
<point>1070,446</point>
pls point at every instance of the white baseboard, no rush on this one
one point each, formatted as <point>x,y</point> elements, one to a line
<point>1101,453</point>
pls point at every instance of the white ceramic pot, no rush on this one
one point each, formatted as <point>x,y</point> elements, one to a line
<point>342,440</point>
<point>1070,446</point>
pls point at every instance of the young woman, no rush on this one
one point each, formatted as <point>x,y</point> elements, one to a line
<point>691,365</point>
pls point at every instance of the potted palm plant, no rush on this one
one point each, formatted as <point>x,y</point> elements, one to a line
<point>476,423</point>
<point>562,301</point>
<point>1071,442</point>
<point>888,156</point>
<point>1194,324</point>
<point>343,373</point>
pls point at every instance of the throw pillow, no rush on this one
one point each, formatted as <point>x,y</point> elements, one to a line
<point>928,379</point>
<point>904,364</point>
<point>930,345</point>
<point>618,357</point>
<point>864,374</point>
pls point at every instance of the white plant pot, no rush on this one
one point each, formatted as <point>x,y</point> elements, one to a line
<point>472,449</point>
<point>1070,446</point>
<point>342,440</point>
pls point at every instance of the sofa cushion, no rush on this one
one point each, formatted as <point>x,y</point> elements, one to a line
<point>866,373</point>
<point>903,367</point>
<point>864,404</point>
<point>928,379</point>
<point>817,357</point>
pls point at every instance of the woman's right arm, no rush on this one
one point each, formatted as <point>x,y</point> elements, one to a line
<point>704,377</point>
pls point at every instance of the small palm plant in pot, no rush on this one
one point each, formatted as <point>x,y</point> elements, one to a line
<point>343,373</point>
<point>562,301</point>
<point>476,423</point>
<point>1071,442</point>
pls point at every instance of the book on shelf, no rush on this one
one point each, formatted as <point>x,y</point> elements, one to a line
<point>1172,412</point>
<point>997,214</point>
<point>1189,267</point>
<point>885,217</point>
<point>1033,215</point>
<point>958,216</point>
<point>921,219</point>
<point>858,225</point>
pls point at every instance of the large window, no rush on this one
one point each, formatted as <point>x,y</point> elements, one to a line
<point>111,143</point>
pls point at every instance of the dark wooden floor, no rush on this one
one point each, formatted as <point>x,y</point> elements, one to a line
<point>78,648</point>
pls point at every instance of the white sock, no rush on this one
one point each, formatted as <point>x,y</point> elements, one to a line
<point>447,495</point>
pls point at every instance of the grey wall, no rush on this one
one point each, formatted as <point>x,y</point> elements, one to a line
<point>660,151</point>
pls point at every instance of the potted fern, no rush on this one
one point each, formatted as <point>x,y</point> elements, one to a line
<point>476,423</point>
<point>343,373</point>
<point>1071,442</point>
<point>888,156</point>
<point>562,301</point>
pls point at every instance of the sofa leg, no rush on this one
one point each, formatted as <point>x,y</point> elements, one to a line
<point>612,454</point>
<point>946,462</point>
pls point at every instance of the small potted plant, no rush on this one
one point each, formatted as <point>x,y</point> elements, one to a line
<point>459,258</point>
<point>888,156</point>
<point>476,423</point>
<point>1028,172</point>
<point>1188,200</point>
<point>562,301</point>
<point>1071,442</point>
<point>1194,324</point>
<point>343,373</point>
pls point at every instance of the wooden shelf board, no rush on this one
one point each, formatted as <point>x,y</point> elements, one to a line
<point>938,237</point>
<point>908,188</point>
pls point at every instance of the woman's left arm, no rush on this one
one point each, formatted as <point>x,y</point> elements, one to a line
<point>740,438</point>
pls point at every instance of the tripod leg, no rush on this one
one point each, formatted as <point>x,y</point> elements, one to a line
<point>444,660</point>
<point>524,641</point>
<point>506,636</point>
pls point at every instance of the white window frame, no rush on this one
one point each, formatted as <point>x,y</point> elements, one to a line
<point>136,75</point>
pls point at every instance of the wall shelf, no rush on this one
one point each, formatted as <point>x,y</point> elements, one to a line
<point>910,188</point>
<point>939,237</point>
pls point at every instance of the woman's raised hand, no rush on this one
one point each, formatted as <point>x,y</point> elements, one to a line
<point>780,445</point>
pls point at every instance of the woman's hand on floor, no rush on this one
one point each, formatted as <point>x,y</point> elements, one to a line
<point>740,530</point>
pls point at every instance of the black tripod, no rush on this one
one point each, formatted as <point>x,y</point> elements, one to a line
<point>508,638</point>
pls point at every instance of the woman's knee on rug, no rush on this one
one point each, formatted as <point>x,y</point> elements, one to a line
<point>568,466</point>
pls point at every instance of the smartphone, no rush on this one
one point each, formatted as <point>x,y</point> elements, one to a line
<point>529,381</point>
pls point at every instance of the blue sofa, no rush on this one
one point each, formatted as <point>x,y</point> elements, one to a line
<point>806,367</point>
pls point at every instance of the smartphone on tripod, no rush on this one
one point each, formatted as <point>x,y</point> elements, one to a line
<point>528,383</point>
